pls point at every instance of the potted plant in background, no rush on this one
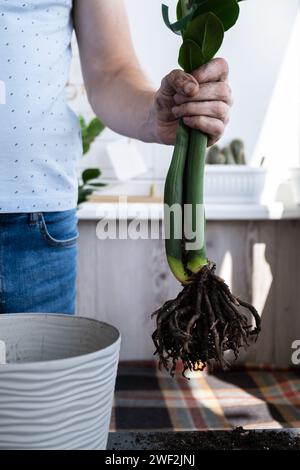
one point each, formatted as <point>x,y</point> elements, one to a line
<point>228,177</point>
<point>89,179</point>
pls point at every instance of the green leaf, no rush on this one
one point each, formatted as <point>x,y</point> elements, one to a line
<point>82,122</point>
<point>89,132</point>
<point>98,185</point>
<point>226,10</point>
<point>190,56</point>
<point>84,133</point>
<point>83,194</point>
<point>90,174</point>
<point>178,26</point>
<point>202,40</point>
<point>95,128</point>
<point>213,37</point>
<point>179,13</point>
<point>86,147</point>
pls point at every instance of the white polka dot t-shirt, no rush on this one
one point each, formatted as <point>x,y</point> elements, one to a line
<point>40,138</point>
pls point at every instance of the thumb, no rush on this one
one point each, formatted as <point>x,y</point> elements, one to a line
<point>179,82</point>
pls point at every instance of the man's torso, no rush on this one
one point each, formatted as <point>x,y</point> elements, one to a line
<point>39,134</point>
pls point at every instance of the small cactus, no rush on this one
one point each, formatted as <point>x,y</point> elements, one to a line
<point>229,158</point>
<point>233,154</point>
<point>238,151</point>
<point>215,156</point>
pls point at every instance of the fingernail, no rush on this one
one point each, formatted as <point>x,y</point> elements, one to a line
<point>189,88</point>
<point>175,110</point>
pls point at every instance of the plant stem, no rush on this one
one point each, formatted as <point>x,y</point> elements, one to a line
<point>194,199</point>
<point>174,198</point>
<point>194,187</point>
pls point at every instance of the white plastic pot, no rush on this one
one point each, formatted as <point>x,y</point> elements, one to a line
<point>238,184</point>
<point>57,387</point>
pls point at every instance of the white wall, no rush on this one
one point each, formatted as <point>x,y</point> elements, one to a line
<point>262,63</point>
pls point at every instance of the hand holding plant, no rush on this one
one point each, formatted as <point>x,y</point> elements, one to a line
<point>201,99</point>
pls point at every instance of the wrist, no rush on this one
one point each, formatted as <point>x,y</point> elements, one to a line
<point>148,131</point>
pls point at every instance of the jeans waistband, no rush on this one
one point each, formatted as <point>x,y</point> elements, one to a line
<point>30,217</point>
<point>4,218</point>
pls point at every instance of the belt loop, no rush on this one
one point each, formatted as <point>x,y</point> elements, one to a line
<point>33,218</point>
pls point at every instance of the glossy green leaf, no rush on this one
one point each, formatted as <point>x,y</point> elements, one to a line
<point>196,30</point>
<point>179,11</point>
<point>213,37</point>
<point>190,56</point>
<point>178,26</point>
<point>207,33</point>
<point>226,10</point>
<point>184,57</point>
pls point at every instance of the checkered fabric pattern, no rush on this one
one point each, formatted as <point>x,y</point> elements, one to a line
<point>147,399</point>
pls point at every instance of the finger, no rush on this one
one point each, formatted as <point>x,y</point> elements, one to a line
<point>214,91</point>
<point>215,109</point>
<point>179,82</point>
<point>214,128</point>
<point>212,141</point>
<point>216,70</point>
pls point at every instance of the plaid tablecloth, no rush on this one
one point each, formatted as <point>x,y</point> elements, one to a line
<point>147,399</point>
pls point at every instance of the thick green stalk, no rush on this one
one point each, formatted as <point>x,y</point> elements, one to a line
<point>194,216</point>
<point>174,202</point>
<point>184,185</point>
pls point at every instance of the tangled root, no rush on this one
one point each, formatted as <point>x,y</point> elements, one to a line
<point>203,322</point>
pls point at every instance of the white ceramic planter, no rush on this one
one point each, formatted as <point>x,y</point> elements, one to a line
<point>56,390</point>
<point>227,184</point>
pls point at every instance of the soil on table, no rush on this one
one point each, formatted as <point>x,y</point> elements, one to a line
<point>238,439</point>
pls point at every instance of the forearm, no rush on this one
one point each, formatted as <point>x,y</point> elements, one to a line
<point>124,101</point>
<point>122,96</point>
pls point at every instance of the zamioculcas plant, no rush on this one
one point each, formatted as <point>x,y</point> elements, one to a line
<point>206,319</point>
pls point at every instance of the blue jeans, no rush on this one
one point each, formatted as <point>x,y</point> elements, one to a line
<point>38,262</point>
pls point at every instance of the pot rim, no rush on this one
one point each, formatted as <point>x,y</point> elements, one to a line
<point>54,363</point>
<point>235,169</point>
